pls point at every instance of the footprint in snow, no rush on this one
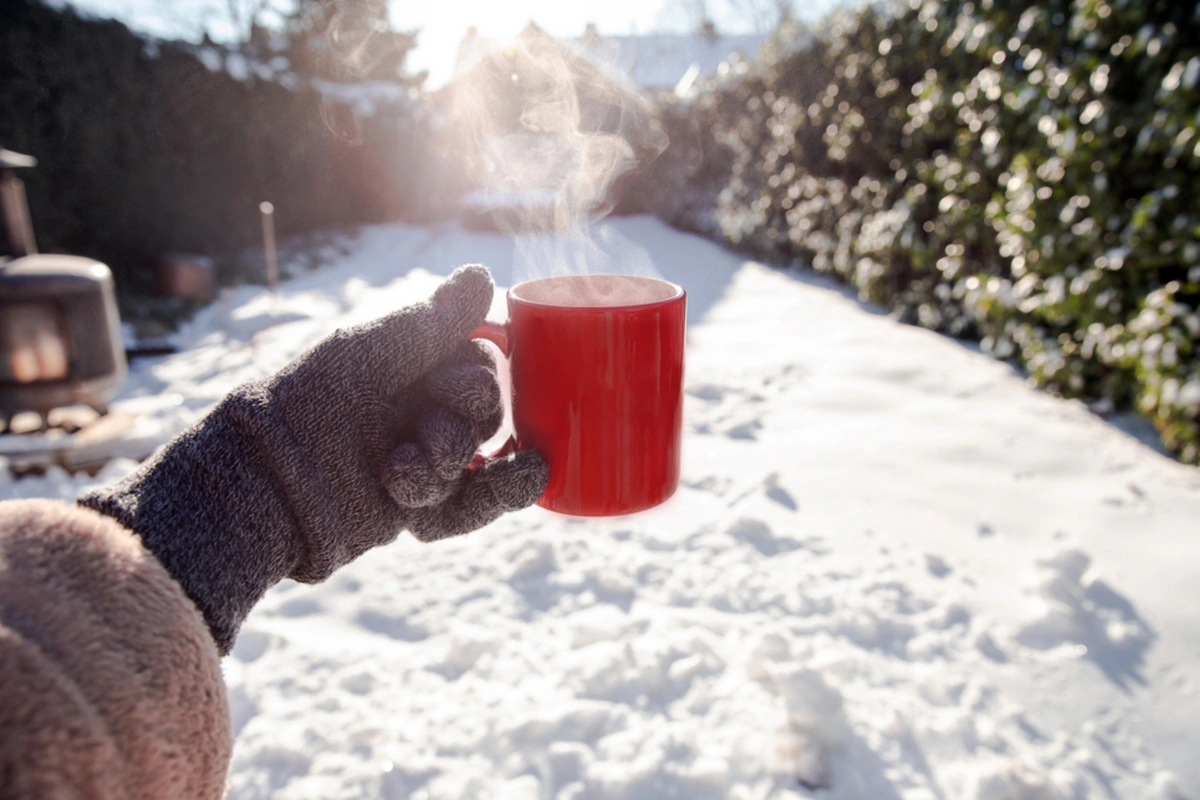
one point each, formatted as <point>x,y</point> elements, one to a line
<point>242,707</point>
<point>759,535</point>
<point>393,626</point>
<point>772,489</point>
<point>360,682</point>
<point>779,494</point>
<point>745,431</point>
<point>1132,499</point>
<point>251,645</point>
<point>461,653</point>
<point>709,392</point>
<point>299,607</point>
<point>779,382</point>
<point>727,406</point>
<point>987,645</point>
<point>716,485</point>
<point>937,566</point>
<point>1081,610</point>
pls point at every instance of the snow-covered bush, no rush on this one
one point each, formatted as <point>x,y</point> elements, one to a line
<point>1021,173</point>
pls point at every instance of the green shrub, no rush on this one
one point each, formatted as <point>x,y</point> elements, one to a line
<point>1020,173</point>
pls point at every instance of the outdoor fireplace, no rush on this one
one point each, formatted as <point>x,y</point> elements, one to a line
<point>60,342</point>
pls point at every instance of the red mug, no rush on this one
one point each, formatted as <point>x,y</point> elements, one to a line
<point>597,387</point>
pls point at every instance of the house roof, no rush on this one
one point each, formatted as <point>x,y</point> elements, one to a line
<point>662,61</point>
<point>651,61</point>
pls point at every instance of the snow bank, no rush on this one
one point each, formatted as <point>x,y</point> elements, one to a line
<point>892,571</point>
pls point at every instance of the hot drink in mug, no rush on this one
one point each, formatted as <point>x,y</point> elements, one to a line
<point>597,387</point>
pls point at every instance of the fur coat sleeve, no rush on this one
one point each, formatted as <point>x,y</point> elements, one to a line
<point>110,682</point>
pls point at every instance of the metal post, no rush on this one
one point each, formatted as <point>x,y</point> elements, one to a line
<point>268,226</point>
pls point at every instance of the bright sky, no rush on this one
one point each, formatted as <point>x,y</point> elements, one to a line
<point>442,23</point>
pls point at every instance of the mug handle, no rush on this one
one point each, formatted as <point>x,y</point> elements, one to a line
<point>497,334</point>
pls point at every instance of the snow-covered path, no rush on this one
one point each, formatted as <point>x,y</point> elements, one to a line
<point>893,571</point>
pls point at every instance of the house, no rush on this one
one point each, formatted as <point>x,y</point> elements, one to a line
<point>538,132</point>
<point>652,62</point>
<point>666,62</point>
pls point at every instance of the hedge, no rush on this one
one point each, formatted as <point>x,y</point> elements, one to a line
<point>1022,174</point>
<point>148,147</point>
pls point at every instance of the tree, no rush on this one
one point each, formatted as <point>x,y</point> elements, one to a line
<point>340,40</point>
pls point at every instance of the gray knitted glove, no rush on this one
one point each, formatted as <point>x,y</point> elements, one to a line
<point>368,433</point>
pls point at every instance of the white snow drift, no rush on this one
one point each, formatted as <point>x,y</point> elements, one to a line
<point>893,571</point>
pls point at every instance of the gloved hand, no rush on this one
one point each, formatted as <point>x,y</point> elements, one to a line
<point>368,433</point>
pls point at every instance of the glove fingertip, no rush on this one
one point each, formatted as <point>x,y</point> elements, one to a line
<point>472,392</point>
<point>469,292</point>
<point>447,441</point>
<point>412,481</point>
<point>519,480</point>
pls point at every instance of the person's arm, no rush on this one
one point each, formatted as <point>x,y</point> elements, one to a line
<point>114,612</point>
<point>367,434</point>
<point>110,685</point>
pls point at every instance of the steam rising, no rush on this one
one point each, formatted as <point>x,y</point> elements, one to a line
<point>357,35</point>
<point>350,40</point>
<point>551,134</point>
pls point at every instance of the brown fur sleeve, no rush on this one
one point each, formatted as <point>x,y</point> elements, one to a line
<point>110,683</point>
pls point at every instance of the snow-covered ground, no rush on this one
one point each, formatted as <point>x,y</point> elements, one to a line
<point>893,571</point>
